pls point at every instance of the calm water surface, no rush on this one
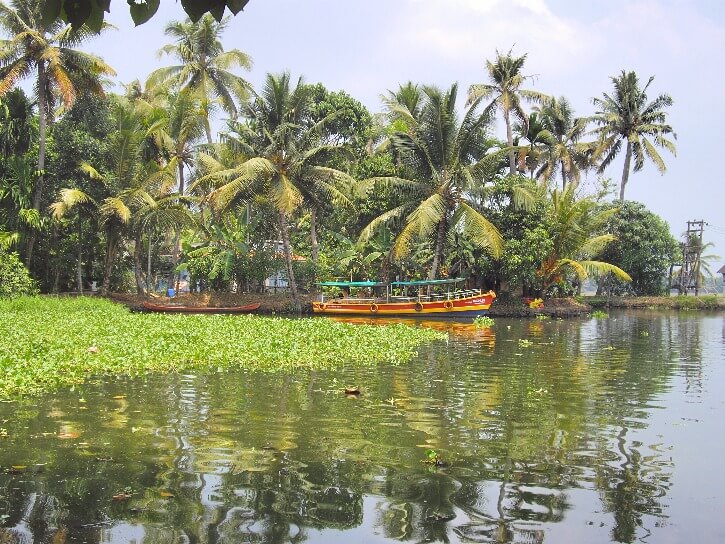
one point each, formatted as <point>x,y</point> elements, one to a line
<point>549,431</point>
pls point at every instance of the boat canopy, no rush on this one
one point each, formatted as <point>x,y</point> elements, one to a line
<point>429,282</point>
<point>351,284</point>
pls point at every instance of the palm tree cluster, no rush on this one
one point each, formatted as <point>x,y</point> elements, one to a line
<point>136,185</point>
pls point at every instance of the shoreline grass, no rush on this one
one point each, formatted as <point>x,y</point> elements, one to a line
<point>47,343</point>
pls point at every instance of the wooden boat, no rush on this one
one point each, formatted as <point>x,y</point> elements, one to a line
<point>427,297</point>
<point>178,308</point>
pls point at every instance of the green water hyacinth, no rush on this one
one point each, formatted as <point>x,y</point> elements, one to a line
<point>47,343</point>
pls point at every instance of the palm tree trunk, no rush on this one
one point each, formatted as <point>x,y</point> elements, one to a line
<point>510,142</point>
<point>148,268</point>
<point>42,129</point>
<point>314,246</point>
<point>284,230</point>
<point>563,176</point>
<point>177,239</point>
<point>137,266</point>
<point>625,172</point>
<point>79,263</point>
<point>438,256</point>
<point>207,129</point>
<point>111,248</point>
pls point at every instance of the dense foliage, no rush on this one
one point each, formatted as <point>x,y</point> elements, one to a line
<point>46,343</point>
<point>303,183</point>
<point>644,247</point>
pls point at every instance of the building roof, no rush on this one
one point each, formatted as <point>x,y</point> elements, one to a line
<point>722,270</point>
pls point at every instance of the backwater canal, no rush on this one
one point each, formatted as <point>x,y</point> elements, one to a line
<point>592,430</point>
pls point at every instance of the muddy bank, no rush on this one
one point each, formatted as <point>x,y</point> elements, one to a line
<point>553,307</point>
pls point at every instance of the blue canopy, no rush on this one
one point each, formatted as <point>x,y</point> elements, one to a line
<point>351,284</point>
<point>429,282</point>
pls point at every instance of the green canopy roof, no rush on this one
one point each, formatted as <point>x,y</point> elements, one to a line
<point>429,282</point>
<point>351,284</point>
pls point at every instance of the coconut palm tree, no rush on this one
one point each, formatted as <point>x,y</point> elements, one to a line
<point>62,72</point>
<point>175,124</point>
<point>533,132</point>
<point>577,225</point>
<point>627,116</point>
<point>561,135</point>
<point>506,94</point>
<point>282,150</point>
<point>445,157</point>
<point>205,67</point>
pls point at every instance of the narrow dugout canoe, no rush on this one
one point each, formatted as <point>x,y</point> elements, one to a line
<point>176,308</point>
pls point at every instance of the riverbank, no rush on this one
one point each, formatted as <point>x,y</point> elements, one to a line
<point>50,342</point>
<point>281,303</point>
<point>705,302</point>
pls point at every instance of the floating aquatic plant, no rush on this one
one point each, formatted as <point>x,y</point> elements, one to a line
<point>46,343</point>
<point>483,322</point>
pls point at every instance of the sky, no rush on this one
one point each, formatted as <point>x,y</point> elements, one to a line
<point>573,47</point>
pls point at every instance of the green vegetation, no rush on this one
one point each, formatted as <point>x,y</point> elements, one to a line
<point>484,322</point>
<point>643,247</point>
<point>89,14</point>
<point>14,278</point>
<point>304,183</point>
<point>53,342</point>
<point>704,302</point>
<point>600,314</point>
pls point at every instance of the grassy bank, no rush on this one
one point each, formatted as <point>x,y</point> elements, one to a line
<point>705,302</point>
<point>46,343</point>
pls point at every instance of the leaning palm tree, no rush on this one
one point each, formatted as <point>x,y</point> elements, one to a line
<point>577,225</point>
<point>506,94</point>
<point>563,150</point>
<point>205,66</point>
<point>62,72</point>
<point>626,116</point>
<point>446,158</point>
<point>283,148</point>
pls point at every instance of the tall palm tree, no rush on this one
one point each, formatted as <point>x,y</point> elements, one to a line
<point>444,157</point>
<point>627,116</point>
<point>62,72</point>
<point>175,125</point>
<point>563,150</point>
<point>283,150</point>
<point>205,66</point>
<point>506,94</point>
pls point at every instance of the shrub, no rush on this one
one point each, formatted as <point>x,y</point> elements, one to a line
<point>15,279</point>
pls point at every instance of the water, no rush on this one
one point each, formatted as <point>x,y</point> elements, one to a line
<point>549,431</point>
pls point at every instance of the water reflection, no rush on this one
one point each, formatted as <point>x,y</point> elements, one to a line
<point>546,431</point>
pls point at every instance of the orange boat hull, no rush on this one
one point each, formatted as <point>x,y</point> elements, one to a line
<point>462,307</point>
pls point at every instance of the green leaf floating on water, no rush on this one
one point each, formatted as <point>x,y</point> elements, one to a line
<point>44,343</point>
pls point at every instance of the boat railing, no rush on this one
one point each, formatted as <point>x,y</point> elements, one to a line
<point>434,297</point>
